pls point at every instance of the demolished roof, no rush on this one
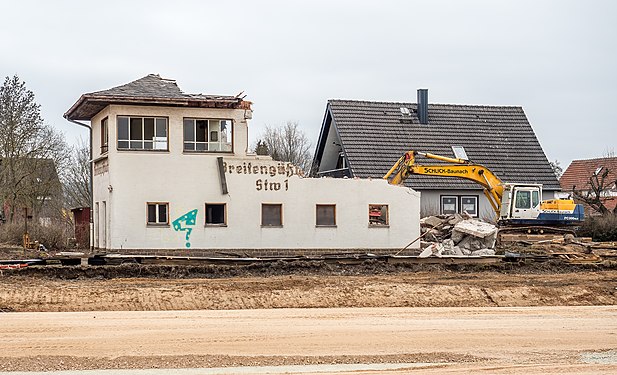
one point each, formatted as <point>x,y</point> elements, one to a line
<point>577,175</point>
<point>375,134</point>
<point>149,90</point>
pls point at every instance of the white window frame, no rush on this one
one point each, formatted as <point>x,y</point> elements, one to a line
<point>157,221</point>
<point>157,142</point>
<point>210,144</point>
<point>441,204</point>
<point>476,200</point>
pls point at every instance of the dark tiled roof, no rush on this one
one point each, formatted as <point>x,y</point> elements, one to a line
<point>149,90</point>
<point>579,171</point>
<point>374,136</point>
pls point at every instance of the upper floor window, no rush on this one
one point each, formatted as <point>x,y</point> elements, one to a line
<point>207,135</point>
<point>104,135</point>
<point>142,133</point>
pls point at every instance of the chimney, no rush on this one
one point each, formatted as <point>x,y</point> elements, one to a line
<point>423,106</point>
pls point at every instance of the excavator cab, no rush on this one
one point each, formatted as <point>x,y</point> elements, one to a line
<point>522,205</point>
<point>521,202</point>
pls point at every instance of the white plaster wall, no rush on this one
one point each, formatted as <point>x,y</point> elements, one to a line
<point>196,182</point>
<point>190,180</point>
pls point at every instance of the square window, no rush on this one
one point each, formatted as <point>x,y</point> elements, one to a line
<point>207,135</point>
<point>216,214</point>
<point>325,215</point>
<point>449,205</point>
<point>470,205</point>
<point>378,214</point>
<point>157,213</point>
<point>271,215</point>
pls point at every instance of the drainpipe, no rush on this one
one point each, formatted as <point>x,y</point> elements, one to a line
<point>91,229</point>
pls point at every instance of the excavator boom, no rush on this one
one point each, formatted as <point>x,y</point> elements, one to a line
<point>460,168</point>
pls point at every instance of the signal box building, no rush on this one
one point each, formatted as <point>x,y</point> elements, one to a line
<point>172,172</point>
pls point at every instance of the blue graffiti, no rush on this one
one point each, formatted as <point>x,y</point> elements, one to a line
<point>185,223</point>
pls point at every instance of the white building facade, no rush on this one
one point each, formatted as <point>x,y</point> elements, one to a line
<point>172,172</point>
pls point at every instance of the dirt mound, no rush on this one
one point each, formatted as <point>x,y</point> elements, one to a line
<point>298,268</point>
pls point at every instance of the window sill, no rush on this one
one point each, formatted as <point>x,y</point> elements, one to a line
<point>325,226</point>
<point>379,225</point>
<point>140,149</point>
<point>100,157</point>
<point>206,152</point>
<point>152,225</point>
<point>216,225</point>
<point>271,226</point>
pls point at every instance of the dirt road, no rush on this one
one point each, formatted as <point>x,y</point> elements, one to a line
<point>463,321</point>
<point>496,340</point>
<point>417,289</point>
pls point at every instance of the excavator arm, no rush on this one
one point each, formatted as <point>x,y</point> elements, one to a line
<point>406,166</point>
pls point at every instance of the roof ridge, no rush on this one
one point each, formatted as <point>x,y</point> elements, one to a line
<point>611,158</point>
<point>430,104</point>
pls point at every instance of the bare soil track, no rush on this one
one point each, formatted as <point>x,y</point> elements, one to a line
<point>491,318</point>
<point>302,284</point>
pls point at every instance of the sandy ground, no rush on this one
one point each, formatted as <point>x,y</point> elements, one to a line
<point>515,340</point>
<point>494,322</point>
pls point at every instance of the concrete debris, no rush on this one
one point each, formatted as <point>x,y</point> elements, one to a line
<point>457,235</point>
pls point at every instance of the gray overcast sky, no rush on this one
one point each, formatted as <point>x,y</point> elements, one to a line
<point>556,59</point>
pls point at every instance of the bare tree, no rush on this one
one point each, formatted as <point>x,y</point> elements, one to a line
<point>596,193</point>
<point>77,191</point>
<point>287,143</point>
<point>31,152</point>
<point>556,167</point>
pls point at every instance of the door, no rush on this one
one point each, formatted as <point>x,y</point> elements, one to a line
<point>97,225</point>
<point>103,223</point>
<point>526,203</point>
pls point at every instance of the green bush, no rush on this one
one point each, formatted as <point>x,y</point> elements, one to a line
<point>599,228</point>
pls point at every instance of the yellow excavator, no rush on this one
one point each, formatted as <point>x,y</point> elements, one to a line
<point>515,204</point>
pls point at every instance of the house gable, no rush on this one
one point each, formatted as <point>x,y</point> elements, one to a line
<point>375,134</point>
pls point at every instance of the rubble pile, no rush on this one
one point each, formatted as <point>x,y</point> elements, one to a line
<point>456,235</point>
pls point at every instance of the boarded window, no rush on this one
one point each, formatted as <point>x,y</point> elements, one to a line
<point>271,215</point>
<point>215,214</point>
<point>325,215</point>
<point>378,214</point>
<point>157,213</point>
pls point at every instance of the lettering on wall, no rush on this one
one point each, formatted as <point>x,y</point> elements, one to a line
<point>185,223</point>
<point>269,174</point>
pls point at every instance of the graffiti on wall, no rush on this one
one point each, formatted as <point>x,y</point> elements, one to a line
<point>185,223</point>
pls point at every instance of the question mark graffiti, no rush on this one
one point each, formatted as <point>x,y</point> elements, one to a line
<point>185,223</point>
